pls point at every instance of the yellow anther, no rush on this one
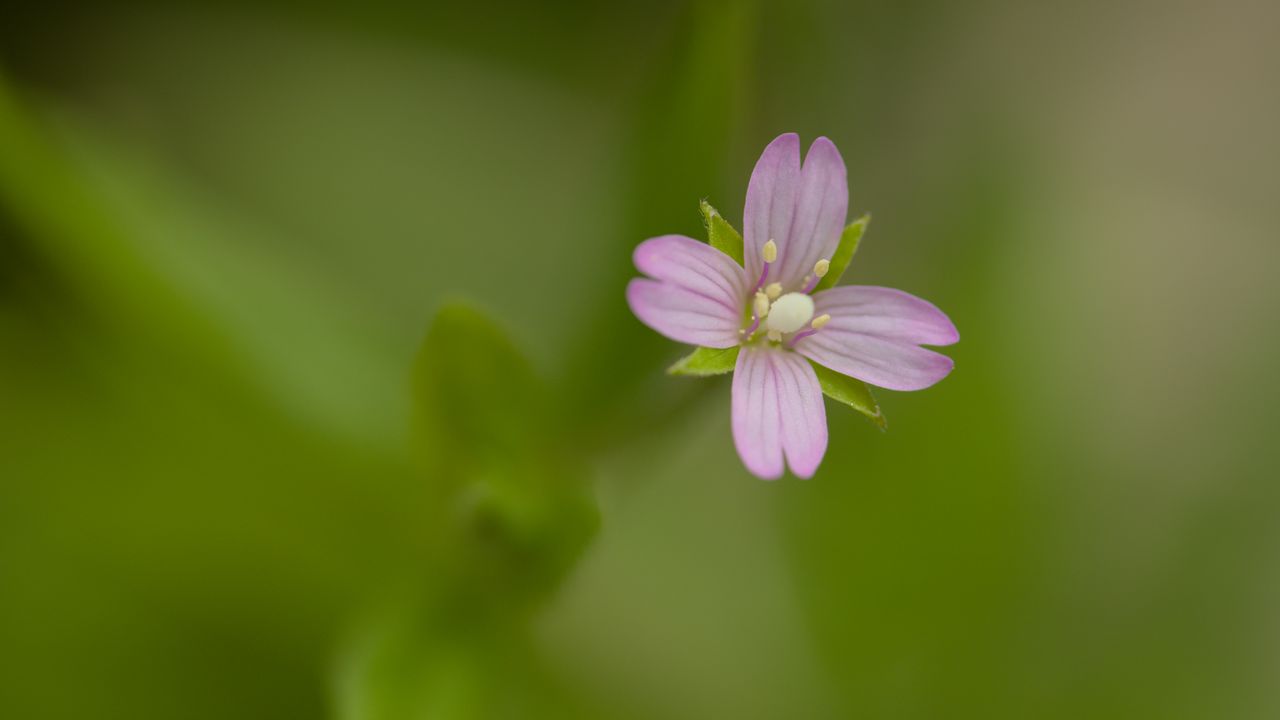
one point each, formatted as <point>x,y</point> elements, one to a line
<point>821,267</point>
<point>773,290</point>
<point>770,251</point>
<point>819,321</point>
<point>775,336</point>
<point>762,305</point>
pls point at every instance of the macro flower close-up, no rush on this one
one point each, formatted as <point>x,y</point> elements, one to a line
<point>780,312</point>
<point>518,360</point>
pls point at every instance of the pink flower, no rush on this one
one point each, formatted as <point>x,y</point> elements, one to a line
<point>697,294</point>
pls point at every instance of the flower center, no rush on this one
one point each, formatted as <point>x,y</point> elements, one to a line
<point>789,313</point>
<point>784,314</point>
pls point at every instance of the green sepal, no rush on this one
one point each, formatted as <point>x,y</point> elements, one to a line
<point>720,234</point>
<point>851,392</point>
<point>844,252</point>
<point>706,361</point>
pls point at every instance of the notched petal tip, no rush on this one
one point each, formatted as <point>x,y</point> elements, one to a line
<point>947,334</point>
<point>825,143</point>
<point>783,141</point>
<point>634,294</point>
<point>649,251</point>
<point>942,369</point>
<point>932,371</point>
<point>804,474</point>
<point>823,152</point>
<point>955,333</point>
<point>765,475</point>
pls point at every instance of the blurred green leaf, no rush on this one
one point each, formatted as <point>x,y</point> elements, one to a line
<point>434,661</point>
<point>153,251</point>
<point>844,251</point>
<point>851,392</point>
<point>720,233</point>
<point>50,198</point>
<point>511,512</point>
<point>477,398</point>
<point>515,499</point>
<point>706,361</point>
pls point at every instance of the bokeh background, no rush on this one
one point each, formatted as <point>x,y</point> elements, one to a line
<point>245,474</point>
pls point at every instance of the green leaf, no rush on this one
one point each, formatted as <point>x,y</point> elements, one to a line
<point>844,252</point>
<point>720,233</point>
<point>706,361</point>
<point>505,481</point>
<point>851,392</point>
<point>477,398</point>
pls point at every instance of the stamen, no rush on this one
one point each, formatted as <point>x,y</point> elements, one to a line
<point>775,336</point>
<point>820,269</point>
<point>759,310</point>
<point>773,290</point>
<point>814,327</point>
<point>762,305</point>
<point>769,253</point>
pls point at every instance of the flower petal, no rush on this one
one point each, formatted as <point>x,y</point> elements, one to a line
<point>695,266</point>
<point>682,314</point>
<point>696,295</point>
<point>892,364</point>
<point>777,409</point>
<point>771,200</point>
<point>822,204</point>
<point>757,425</point>
<point>887,313</point>
<point>804,418</point>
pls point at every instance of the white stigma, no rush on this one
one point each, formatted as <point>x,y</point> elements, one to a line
<point>770,251</point>
<point>790,312</point>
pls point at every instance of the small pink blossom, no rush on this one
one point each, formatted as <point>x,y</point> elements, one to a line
<point>696,294</point>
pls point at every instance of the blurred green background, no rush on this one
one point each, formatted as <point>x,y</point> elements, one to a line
<point>244,475</point>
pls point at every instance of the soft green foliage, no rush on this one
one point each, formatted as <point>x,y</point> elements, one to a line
<point>424,659</point>
<point>844,252</point>
<point>486,430</point>
<point>477,397</point>
<point>720,233</point>
<point>706,361</point>
<point>509,514</point>
<point>851,392</point>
